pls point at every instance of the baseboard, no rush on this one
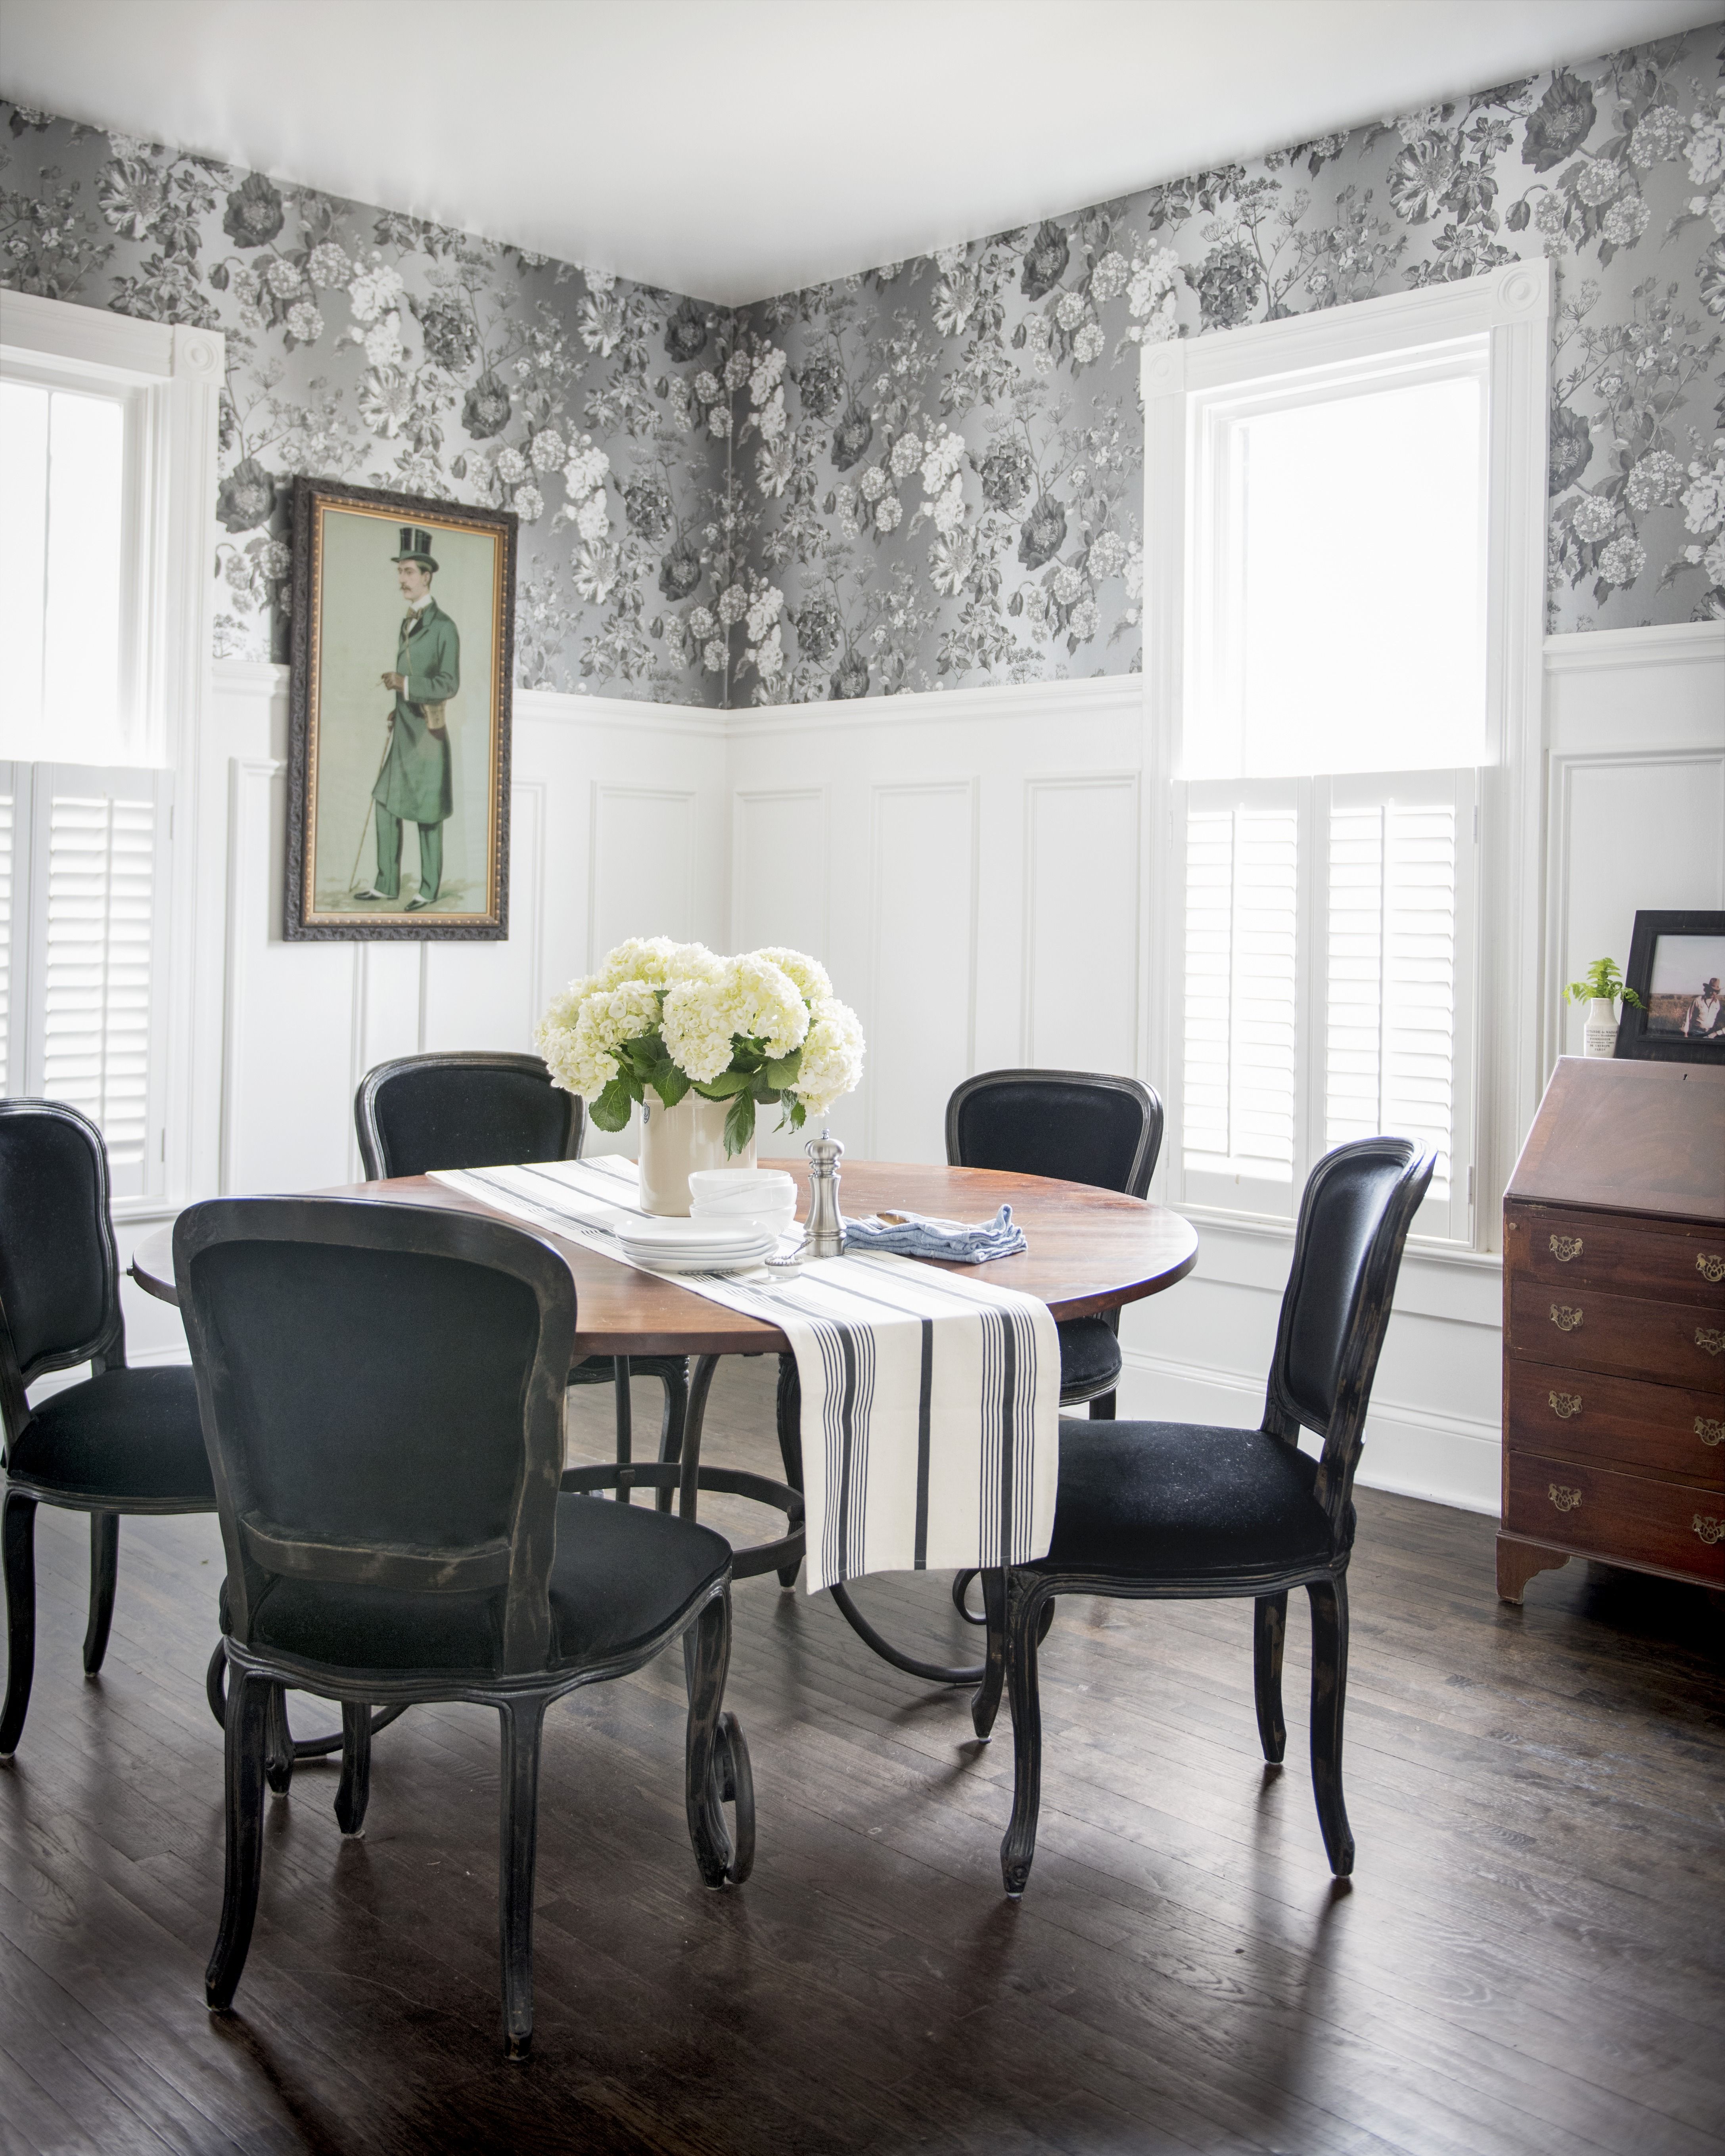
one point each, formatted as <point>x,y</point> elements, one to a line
<point>1447,1460</point>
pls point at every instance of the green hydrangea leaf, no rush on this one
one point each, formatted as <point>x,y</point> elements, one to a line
<point>610,1112</point>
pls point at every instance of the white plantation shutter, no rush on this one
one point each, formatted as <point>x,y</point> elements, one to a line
<point>1296,1044</point>
<point>1240,1090</point>
<point>10,1081</point>
<point>98,883</point>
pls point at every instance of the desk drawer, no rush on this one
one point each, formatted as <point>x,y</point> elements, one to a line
<point>1565,1250</point>
<point>1622,1518</point>
<point>1580,1328</point>
<point>1618,1422</point>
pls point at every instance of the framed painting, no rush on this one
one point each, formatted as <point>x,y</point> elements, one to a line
<point>398,742</point>
<point>1676,963</point>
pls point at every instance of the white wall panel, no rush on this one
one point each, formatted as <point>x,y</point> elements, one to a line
<point>1081,932</point>
<point>778,869</point>
<point>921,1013</point>
<point>643,872</point>
<point>489,995</point>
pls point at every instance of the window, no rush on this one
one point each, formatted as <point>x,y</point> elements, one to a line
<point>107,439</point>
<point>1334,561</point>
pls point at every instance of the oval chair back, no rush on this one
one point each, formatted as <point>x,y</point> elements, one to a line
<point>382,1390</point>
<point>59,1272</point>
<point>475,1109</point>
<point>1076,1125</point>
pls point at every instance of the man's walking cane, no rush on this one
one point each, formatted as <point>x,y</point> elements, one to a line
<point>388,736</point>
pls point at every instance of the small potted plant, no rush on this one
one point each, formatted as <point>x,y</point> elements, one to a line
<point>1601,988</point>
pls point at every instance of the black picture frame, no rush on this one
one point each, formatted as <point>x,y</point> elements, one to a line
<point>324,906</point>
<point>1640,1033</point>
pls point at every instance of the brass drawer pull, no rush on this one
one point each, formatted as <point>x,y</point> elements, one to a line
<point>1565,1247</point>
<point>1708,1528</point>
<point>1709,1430</point>
<point>1566,1501</point>
<point>1711,1269</point>
<point>1565,1404</point>
<point>1566,1320</point>
<point>1711,1338</point>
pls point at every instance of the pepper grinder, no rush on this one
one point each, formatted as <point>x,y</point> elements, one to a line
<point>824,1235</point>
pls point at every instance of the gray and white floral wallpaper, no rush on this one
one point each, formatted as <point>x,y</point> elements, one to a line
<point>928,474</point>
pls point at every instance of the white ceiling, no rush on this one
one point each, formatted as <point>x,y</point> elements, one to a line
<point>735,148</point>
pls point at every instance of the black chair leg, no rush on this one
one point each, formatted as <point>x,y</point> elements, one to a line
<point>523,1722</point>
<point>104,1572</point>
<point>355,1784</point>
<point>789,1424</point>
<point>715,1768</point>
<point>675,1381</point>
<point>1269,1627</point>
<point>279,1745</point>
<point>17,1559</point>
<point>1102,1407</point>
<point>1017,1847</point>
<point>1329,1698</point>
<point>986,1704</point>
<point>249,1703</point>
<point>625,1429</point>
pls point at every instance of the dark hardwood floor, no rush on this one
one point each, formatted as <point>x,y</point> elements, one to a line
<point>1530,1956</point>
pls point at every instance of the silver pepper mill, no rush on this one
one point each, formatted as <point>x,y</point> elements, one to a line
<point>824,1235</point>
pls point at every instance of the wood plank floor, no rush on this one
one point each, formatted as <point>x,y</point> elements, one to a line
<point>1530,1956</point>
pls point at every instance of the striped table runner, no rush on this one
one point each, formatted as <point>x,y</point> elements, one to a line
<point>931,1399</point>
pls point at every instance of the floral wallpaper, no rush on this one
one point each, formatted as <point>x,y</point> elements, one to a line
<point>371,347</point>
<point>930,474</point>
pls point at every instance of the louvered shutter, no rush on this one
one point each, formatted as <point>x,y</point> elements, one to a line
<point>98,842</point>
<point>1239,1094</point>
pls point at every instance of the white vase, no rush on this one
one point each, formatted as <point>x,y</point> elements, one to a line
<point>676,1142</point>
<point>1600,1036</point>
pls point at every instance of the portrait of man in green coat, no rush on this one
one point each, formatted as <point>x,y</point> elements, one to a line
<point>414,784</point>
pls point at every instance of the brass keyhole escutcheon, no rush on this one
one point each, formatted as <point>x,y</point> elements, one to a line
<point>1709,1430</point>
<point>1565,1404</point>
<point>1565,1247</point>
<point>1709,1339</point>
<point>1565,1318</point>
<point>1564,1499</point>
<point>1708,1528</point>
<point>1712,1269</point>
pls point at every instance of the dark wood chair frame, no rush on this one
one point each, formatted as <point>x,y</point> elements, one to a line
<point>716,1765</point>
<point>104,1350</point>
<point>672,1370</point>
<point>1027,1594</point>
<point>1102,1400</point>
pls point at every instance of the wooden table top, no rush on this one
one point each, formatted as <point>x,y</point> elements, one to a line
<point>1090,1252</point>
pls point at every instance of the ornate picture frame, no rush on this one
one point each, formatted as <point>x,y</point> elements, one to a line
<point>399,718</point>
<point>1674,959</point>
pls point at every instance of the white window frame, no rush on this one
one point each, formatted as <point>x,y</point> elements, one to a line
<point>1511,307</point>
<point>171,376</point>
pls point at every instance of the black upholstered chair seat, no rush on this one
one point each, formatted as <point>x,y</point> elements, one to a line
<point>1176,1501</point>
<point>1090,1358</point>
<point>622,1574</point>
<point>129,1433</point>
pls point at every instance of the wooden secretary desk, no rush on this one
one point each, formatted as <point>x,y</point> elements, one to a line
<point>1613,1325</point>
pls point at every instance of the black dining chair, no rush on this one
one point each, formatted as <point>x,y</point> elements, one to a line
<point>384,1390</point>
<point>1172,1511</point>
<point>481,1109</point>
<point>1077,1126</point>
<point>120,1441</point>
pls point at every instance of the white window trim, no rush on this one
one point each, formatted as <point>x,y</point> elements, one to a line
<point>179,372</point>
<point>1512,306</point>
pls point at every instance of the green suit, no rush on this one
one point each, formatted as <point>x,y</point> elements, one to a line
<point>413,786</point>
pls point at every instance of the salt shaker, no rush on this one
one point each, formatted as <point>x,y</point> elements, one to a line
<point>824,1236</point>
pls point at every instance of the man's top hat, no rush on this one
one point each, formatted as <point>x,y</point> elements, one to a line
<point>416,546</point>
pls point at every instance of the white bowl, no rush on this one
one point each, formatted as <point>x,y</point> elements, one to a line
<point>741,1190</point>
<point>775,1218</point>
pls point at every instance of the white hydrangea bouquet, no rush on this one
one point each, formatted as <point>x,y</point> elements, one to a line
<point>758,1029</point>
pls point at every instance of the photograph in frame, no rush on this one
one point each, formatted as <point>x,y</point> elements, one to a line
<point>400,740</point>
<point>1676,968</point>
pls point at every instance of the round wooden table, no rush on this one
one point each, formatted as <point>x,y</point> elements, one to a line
<point>1090,1252</point>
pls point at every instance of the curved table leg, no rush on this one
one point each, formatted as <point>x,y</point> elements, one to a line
<point>215,1690</point>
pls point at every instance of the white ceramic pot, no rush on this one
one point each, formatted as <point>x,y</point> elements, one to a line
<point>678,1142</point>
<point>1599,1037</point>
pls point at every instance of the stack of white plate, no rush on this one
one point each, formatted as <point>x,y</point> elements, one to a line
<point>697,1246</point>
